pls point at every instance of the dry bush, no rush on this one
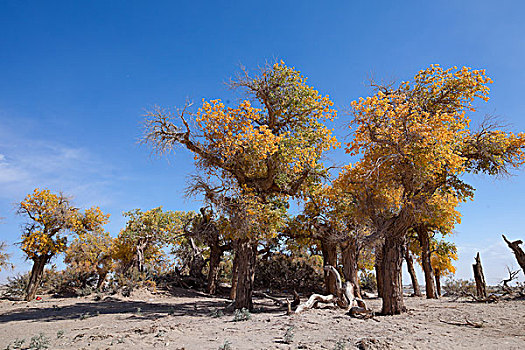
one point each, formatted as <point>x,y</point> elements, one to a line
<point>283,272</point>
<point>458,287</point>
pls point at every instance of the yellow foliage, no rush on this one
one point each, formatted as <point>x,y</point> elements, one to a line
<point>51,220</point>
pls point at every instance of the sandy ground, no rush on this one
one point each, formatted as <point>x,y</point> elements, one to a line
<point>189,320</point>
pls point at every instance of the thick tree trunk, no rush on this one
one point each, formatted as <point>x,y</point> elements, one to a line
<point>235,273</point>
<point>412,272</point>
<point>479,277</point>
<point>329,250</point>
<point>424,241</point>
<point>518,252</point>
<point>437,274</point>
<point>247,253</point>
<point>392,296</point>
<point>213,273</point>
<point>378,269</point>
<point>36,276</point>
<point>349,256</point>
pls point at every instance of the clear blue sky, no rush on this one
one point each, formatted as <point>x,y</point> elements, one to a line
<point>77,76</point>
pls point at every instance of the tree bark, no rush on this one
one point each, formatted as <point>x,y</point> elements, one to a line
<point>392,294</point>
<point>247,252</point>
<point>481,287</point>
<point>101,278</point>
<point>518,252</point>
<point>329,250</point>
<point>213,273</point>
<point>437,275</point>
<point>235,273</point>
<point>378,269</point>
<point>424,241</point>
<point>35,278</point>
<point>349,256</point>
<point>410,265</point>
<point>140,256</point>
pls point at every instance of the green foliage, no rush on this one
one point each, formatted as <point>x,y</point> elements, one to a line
<point>368,281</point>
<point>242,315</point>
<point>16,344</point>
<point>289,335</point>
<point>38,342</point>
<point>226,346</point>
<point>340,345</point>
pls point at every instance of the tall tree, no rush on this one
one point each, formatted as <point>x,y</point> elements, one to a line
<point>266,149</point>
<point>51,218</point>
<point>415,142</point>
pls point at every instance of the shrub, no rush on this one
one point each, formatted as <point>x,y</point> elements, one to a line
<point>458,287</point>
<point>368,281</point>
<point>283,272</point>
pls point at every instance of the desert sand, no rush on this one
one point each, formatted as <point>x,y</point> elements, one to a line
<point>191,320</point>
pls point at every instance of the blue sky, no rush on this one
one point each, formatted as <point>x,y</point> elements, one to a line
<point>77,77</point>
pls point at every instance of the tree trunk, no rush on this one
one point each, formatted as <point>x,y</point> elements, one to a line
<point>518,252</point>
<point>213,273</point>
<point>437,274</point>
<point>424,241</point>
<point>247,252</point>
<point>412,272</point>
<point>36,276</point>
<point>378,268</point>
<point>235,273</point>
<point>329,250</point>
<point>481,287</point>
<point>101,278</point>
<point>349,256</point>
<point>140,257</point>
<point>392,294</point>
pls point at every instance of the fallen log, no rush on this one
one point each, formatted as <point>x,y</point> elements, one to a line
<point>344,297</point>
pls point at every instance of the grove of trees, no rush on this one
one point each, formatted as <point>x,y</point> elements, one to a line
<point>395,200</point>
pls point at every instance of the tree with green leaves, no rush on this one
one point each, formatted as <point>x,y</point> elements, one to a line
<point>146,232</point>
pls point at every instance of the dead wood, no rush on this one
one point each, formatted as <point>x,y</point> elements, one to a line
<point>274,299</point>
<point>466,323</point>
<point>492,298</point>
<point>481,287</point>
<point>313,300</point>
<point>344,297</point>
<point>518,252</point>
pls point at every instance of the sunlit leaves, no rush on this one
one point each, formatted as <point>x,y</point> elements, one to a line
<point>51,218</point>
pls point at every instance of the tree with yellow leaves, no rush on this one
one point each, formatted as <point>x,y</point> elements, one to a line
<point>91,255</point>
<point>265,149</point>
<point>415,141</point>
<point>443,255</point>
<point>51,218</point>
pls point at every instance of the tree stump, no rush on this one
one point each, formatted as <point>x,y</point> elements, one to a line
<point>481,287</point>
